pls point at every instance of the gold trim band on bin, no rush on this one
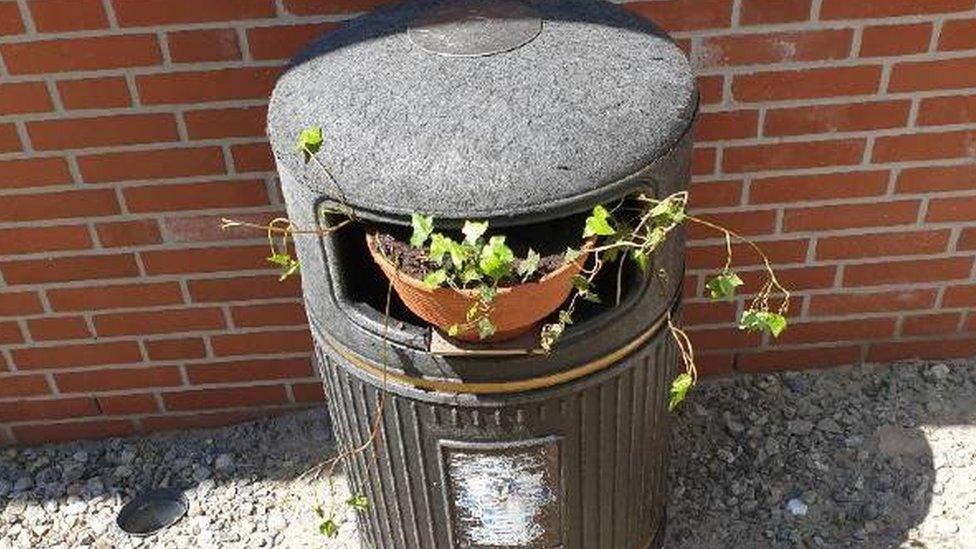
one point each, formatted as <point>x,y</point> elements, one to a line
<point>499,387</point>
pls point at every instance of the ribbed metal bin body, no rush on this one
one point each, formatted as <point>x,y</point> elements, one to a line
<point>602,442</point>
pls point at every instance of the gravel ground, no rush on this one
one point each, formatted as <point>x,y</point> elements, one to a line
<point>857,458</point>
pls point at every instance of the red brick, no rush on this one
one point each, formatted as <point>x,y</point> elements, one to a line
<point>714,194</point>
<point>857,9</point>
<point>33,172</point>
<point>885,40</point>
<point>244,371</point>
<point>796,188</point>
<point>195,46</point>
<point>958,34</point>
<point>795,278</point>
<point>158,164</point>
<point>284,41</point>
<point>158,322</point>
<point>703,161</point>
<point>116,379</point>
<point>758,12</point>
<point>19,303</point>
<point>9,139</point>
<point>934,324</point>
<point>720,126</point>
<point>708,312</point>
<point>924,146</point>
<point>778,47</point>
<point>242,289</point>
<point>780,252</point>
<point>967,240</point>
<point>906,272</point>
<point>29,240</point>
<point>682,15</point>
<point>94,93</point>
<point>100,52</point>
<point>970,325</point>
<point>176,349</point>
<point>128,233</point>
<point>223,123</point>
<point>74,430</point>
<point>934,75</point>
<point>199,420</point>
<point>203,86</point>
<point>883,244</point>
<point>836,118</point>
<point>943,210</point>
<point>34,410</point>
<point>938,111</point>
<point>32,207</point>
<point>253,157</point>
<point>850,216</point>
<point>18,386</point>
<point>797,359</point>
<point>726,337</point>
<point>69,269</point>
<point>115,296</point>
<point>960,296</point>
<point>196,196</point>
<point>938,178</point>
<point>255,343</point>
<point>77,355</point>
<point>58,328</point>
<point>317,7</point>
<point>10,20</point>
<point>151,13</point>
<point>205,260</point>
<point>314,392</point>
<point>751,223</point>
<point>711,88</point>
<point>929,350</point>
<point>861,329</point>
<point>68,15</point>
<point>10,333</point>
<point>266,395</point>
<point>271,314</point>
<point>789,156</point>
<point>876,302</point>
<point>806,83</point>
<point>76,133</point>
<point>120,405</point>
<point>24,97</point>
<point>208,228</point>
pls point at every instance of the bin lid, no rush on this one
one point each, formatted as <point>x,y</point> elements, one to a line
<point>484,109</point>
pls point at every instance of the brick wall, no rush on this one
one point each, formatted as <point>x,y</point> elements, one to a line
<point>838,133</point>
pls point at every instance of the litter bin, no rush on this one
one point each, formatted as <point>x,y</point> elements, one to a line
<point>526,115</point>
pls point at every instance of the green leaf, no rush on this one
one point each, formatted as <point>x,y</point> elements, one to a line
<point>496,258</point>
<point>473,231</point>
<point>572,254</point>
<point>310,141</point>
<point>459,253</point>
<point>528,266</point>
<point>439,246</point>
<point>763,321</point>
<point>454,330</point>
<point>565,317</point>
<point>287,264</point>
<point>776,323</point>
<point>435,279</point>
<point>668,212</point>
<point>550,335</point>
<point>642,259</point>
<point>581,283</point>
<point>329,528</point>
<point>723,286</point>
<point>487,293</point>
<point>679,389</point>
<point>592,297</point>
<point>470,274</point>
<point>423,226</point>
<point>358,502</point>
<point>598,224</point>
<point>472,312</point>
<point>485,327</point>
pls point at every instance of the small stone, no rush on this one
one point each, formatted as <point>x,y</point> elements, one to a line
<point>201,473</point>
<point>224,462</point>
<point>81,456</point>
<point>23,484</point>
<point>829,425</point>
<point>796,507</point>
<point>800,427</point>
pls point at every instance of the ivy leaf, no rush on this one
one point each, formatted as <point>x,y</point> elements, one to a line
<point>642,259</point>
<point>359,503</point>
<point>496,258</point>
<point>485,328</point>
<point>435,279</point>
<point>473,231</point>
<point>470,274</point>
<point>329,528</point>
<point>454,330</point>
<point>565,317</point>
<point>679,390</point>
<point>723,286</point>
<point>581,283</point>
<point>286,263</point>
<point>472,313</point>
<point>598,224</point>
<point>439,246</point>
<point>487,293</point>
<point>528,266</point>
<point>763,321</point>
<point>668,212</point>
<point>423,226</point>
<point>310,141</point>
<point>572,254</point>
<point>550,335</point>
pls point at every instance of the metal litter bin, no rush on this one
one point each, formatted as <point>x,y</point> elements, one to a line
<point>524,114</point>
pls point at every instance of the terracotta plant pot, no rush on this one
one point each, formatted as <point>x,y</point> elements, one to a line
<point>517,309</point>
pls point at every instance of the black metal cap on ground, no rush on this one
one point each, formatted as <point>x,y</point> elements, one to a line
<point>514,115</point>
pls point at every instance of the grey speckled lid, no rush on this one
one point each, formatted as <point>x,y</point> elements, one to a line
<point>548,128</point>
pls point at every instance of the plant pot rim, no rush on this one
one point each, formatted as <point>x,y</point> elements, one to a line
<point>419,284</point>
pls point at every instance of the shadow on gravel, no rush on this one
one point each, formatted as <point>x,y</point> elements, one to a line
<point>855,458</point>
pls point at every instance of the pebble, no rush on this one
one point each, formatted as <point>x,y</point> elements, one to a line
<point>796,507</point>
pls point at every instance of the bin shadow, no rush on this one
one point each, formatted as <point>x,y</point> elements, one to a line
<point>845,458</point>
